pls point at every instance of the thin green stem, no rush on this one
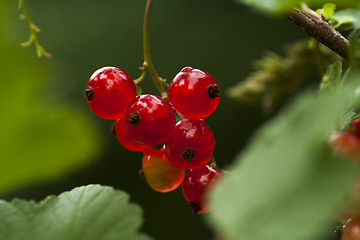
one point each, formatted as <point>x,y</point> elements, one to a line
<point>212,162</point>
<point>344,76</point>
<point>143,74</point>
<point>159,82</point>
<point>33,33</point>
<point>316,48</point>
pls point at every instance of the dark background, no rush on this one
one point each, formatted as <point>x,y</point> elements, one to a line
<point>217,36</point>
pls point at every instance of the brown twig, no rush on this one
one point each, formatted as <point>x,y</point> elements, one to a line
<point>320,29</point>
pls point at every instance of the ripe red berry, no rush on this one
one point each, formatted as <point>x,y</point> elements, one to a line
<point>124,138</point>
<point>159,173</point>
<point>351,230</point>
<point>346,143</point>
<point>149,119</point>
<point>196,186</point>
<point>354,127</point>
<point>194,93</point>
<point>191,145</point>
<point>109,91</point>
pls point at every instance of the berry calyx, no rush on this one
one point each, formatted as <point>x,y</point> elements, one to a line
<point>196,185</point>
<point>191,145</point>
<point>194,93</point>
<point>159,173</point>
<point>109,91</point>
<point>213,91</point>
<point>89,93</point>
<point>124,138</point>
<point>134,118</point>
<point>149,119</point>
<point>188,154</point>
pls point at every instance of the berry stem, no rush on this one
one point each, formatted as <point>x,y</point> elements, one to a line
<point>143,74</point>
<point>159,82</point>
<point>212,162</point>
<point>33,31</point>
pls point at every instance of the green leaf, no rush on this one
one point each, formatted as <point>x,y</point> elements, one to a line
<point>329,9</point>
<point>39,140</point>
<point>288,184</point>
<point>346,19</point>
<point>278,6</point>
<point>332,77</point>
<point>346,119</point>
<point>91,212</point>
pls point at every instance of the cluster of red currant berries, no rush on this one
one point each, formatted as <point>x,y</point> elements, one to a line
<point>347,143</point>
<point>147,123</point>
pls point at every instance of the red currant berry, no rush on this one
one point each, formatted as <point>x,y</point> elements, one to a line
<point>109,91</point>
<point>125,140</point>
<point>346,143</point>
<point>194,93</point>
<point>159,173</point>
<point>196,186</point>
<point>351,230</point>
<point>191,145</point>
<point>149,119</point>
<point>355,127</point>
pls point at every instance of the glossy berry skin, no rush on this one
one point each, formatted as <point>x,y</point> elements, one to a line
<point>196,186</point>
<point>191,145</point>
<point>346,143</point>
<point>354,127</point>
<point>109,91</point>
<point>125,140</point>
<point>351,230</point>
<point>159,173</point>
<point>149,119</point>
<point>194,93</point>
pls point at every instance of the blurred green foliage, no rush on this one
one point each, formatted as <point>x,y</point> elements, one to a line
<point>332,77</point>
<point>346,18</point>
<point>355,48</point>
<point>39,141</point>
<point>288,182</point>
<point>276,77</point>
